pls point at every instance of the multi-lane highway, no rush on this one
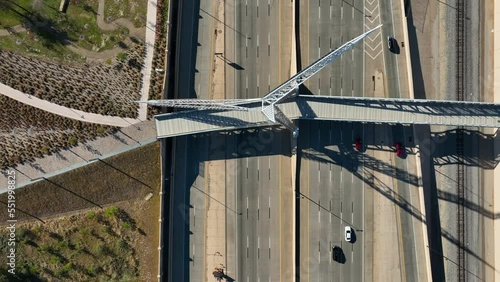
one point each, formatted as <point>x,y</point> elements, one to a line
<point>325,25</point>
<point>258,43</point>
<point>331,197</point>
<point>332,173</point>
<point>259,192</point>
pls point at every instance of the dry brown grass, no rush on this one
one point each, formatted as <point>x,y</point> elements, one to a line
<point>107,89</point>
<point>123,181</point>
<point>155,88</point>
<point>27,133</point>
<point>130,175</point>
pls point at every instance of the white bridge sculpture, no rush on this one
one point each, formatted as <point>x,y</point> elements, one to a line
<point>281,93</point>
<point>233,114</point>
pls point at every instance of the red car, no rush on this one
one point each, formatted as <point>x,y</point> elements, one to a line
<point>399,150</point>
<point>358,144</point>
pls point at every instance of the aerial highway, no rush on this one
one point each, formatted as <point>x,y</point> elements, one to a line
<point>334,183</point>
<point>258,43</point>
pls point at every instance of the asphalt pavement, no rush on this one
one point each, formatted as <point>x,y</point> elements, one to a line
<point>332,181</point>
<point>255,42</point>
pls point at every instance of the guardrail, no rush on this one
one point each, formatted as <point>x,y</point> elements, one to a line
<point>166,145</point>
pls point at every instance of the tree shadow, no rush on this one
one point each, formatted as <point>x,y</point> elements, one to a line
<point>89,9</point>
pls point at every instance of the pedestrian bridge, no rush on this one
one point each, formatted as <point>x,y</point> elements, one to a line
<point>368,110</point>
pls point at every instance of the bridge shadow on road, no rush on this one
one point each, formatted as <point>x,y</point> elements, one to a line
<point>271,141</point>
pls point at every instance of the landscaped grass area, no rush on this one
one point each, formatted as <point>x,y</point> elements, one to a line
<point>51,30</point>
<point>135,10</point>
<point>99,245</point>
<point>108,231</point>
<point>13,13</point>
<point>30,44</point>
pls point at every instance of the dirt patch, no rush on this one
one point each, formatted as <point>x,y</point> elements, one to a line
<point>128,176</point>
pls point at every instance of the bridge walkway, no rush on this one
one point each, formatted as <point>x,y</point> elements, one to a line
<point>378,110</point>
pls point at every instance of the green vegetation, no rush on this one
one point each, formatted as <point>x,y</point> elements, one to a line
<point>26,43</point>
<point>155,88</point>
<point>26,11</point>
<point>122,56</point>
<point>49,31</point>
<point>91,215</point>
<point>108,256</point>
<point>111,211</point>
<point>135,10</point>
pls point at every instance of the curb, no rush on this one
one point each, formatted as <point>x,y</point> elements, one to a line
<point>417,156</point>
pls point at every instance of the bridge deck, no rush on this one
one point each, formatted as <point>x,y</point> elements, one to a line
<point>404,111</point>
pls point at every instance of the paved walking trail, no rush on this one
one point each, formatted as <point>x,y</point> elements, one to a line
<point>146,70</point>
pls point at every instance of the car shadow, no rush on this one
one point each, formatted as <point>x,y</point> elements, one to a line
<point>340,256</point>
<point>353,236</point>
<point>397,48</point>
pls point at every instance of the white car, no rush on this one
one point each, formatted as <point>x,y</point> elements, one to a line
<point>348,233</point>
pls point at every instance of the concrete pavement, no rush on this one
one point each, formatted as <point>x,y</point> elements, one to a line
<point>65,111</point>
<point>215,171</point>
<point>148,58</point>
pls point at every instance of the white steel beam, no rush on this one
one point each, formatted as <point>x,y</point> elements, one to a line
<point>225,105</point>
<point>286,89</point>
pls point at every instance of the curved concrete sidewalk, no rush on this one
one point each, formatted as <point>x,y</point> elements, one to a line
<point>65,111</point>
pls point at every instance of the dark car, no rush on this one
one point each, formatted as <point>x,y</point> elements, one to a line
<point>358,144</point>
<point>391,43</point>
<point>399,150</point>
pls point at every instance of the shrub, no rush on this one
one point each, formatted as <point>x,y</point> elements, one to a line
<point>106,229</point>
<point>102,249</point>
<point>122,56</point>
<point>61,245</point>
<point>68,266</point>
<point>60,273</point>
<point>122,245</point>
<point>55,260</point>
<point>93,270</point>
<point>72,141</point>
<point>91,215</point>
<point>112,211</point>
<point>126,225</point>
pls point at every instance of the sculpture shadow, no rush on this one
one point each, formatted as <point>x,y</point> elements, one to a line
<point>229,62</point>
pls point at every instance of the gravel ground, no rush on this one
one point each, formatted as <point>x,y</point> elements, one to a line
<point>436,26</point>
<point>447,178</point>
